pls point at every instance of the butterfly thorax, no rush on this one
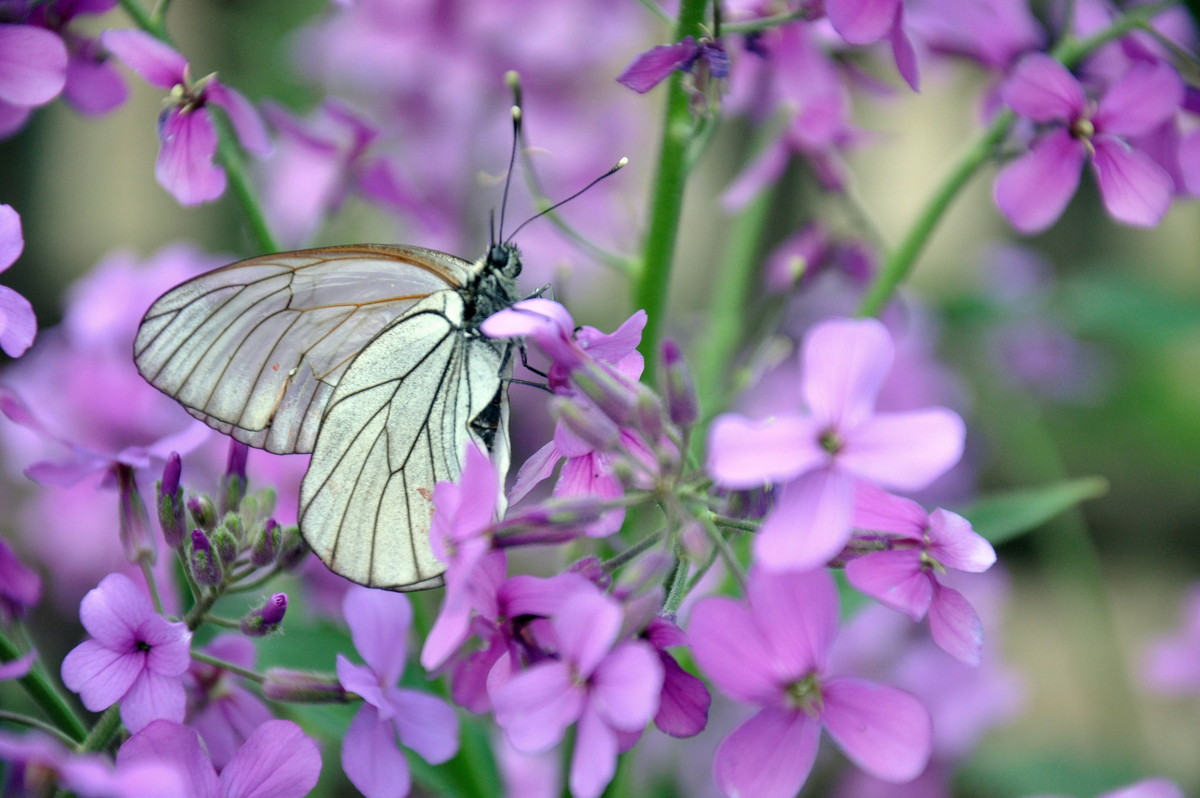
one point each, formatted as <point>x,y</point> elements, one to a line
<point>493,286</point>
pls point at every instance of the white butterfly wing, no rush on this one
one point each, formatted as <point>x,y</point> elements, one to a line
<point>256,349</point>
<point>397,424</point>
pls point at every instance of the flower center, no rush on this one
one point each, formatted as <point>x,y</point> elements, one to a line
<point>1083,129</point>
<point>831,442</point>
<point>806,695</point>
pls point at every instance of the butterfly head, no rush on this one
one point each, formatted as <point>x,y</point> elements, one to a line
<point>503,259</point>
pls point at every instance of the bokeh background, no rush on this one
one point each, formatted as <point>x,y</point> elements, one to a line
<point>1072,353</point>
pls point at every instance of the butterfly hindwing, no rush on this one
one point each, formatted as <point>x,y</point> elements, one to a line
<point>397,424</point>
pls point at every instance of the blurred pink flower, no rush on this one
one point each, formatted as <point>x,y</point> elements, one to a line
<point>221,711</point>
<point>1171,664</point>
<point>135,656</point>
<point>278,760</point>
<point>185,164</point>
<point>18,325</point>
<point>818,457</point>
<point>33,71</point>
<point>35,760</point>
<point>379,622</point>
<point>20,587</point>
<point>773,652</point>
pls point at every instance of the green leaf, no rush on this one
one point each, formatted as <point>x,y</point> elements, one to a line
<point>1005,516</point>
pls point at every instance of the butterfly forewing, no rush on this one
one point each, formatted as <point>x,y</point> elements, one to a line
<point>255,349</point>
<point>397,424</point>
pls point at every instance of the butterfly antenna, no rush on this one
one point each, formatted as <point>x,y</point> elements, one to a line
<point>615,168</point>
<point>514,82</point>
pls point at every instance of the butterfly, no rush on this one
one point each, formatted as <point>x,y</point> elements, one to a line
<point>368,356</point>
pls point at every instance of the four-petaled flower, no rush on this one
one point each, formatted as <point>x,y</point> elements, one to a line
<point>819,457</point>
<point>773,652</point>
<point>189,138</point>
<point>1033,190</point>
<point>379,622</point>
<point>135,656</point>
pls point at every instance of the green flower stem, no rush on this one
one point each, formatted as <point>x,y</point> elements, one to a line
<point>727,315</point>
<point>40,725</point>
<point>666,204</point>
<point>45,693</point>
<point>103,733</point>
<point>228,151</point>
<point>900,261</point>
<point>245,673</point>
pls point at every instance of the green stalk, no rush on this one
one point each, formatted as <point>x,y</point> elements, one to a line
<point>102,734</point>
<point>45,693</point>
<point>666,204</point>
<point>900,262</point>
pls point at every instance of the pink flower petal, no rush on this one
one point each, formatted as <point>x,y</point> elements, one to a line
<point>731,650</point>
<point>768,756</point>
<point>12,118</point>
<point>536,706</point>
<point>1033,190</point>
<point>154,61</point>
<point>530,317</point>
<point>153,697</point>
<point>426,724</point>
<point>876,510</point>
<point>1142,99</point>
<point>809,603</point>
<point>33,65</point>
<point>170,646</point>
<point>906,451</point>
<point>894,578</point>
<point>100,675</point>
<point>113,611</point>
<point>625,687</point>
<point>364,682</point>
<point>955,625</point>
<point>1136,190</point>
<point>18,325</point>
<point>247,123</point>
<point>16,668</point>
<point>379,621</point>
<point>595,757</point>
<point>277,761</point>
<point>683,705</point>
<point>1149,788</point>
<point>372,760</point>
<point>956,545</point>
<point>903,53</point>
<point>656,64</point>
<point>1189,162</point>
<point>743,453</point>
<point>93,87</point>
<point>12,242</point>
<point>536,469</point>
<point>845,362</point>
<point>614,347</point>
<point>810,523</point>
<point>185,161</point>
<point>861,21</point>
<point>1044,90</point>
<point>586,628</point>
<point>884,731</point>
<point>167,743</point>
<point>761,172</point>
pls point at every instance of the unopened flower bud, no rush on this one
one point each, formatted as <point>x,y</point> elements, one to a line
<point>206,567</point>
<point>593,427</point>
<point>608,392</point>
<point>649,414</point>
<point>303,687</point>
<point>170,503</point>
<point>266,619</point>
<point>233,484</point>
<point>204,514</point>
<point>267,543</point>
<point>224,544</point>
<point>137,539</point>
<point>293,549</point>
<point>678,386</point>
<point>592,569</point>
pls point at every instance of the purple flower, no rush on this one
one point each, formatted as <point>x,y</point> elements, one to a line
<point>18,325</point>
<point>773,652</point>
<point>611,365</point>
<point>1171,664</point>
<point>906,576</point>
<point>1149,788</point>
<point>277,760</point>
<point>992,32</point>
<point>462,515</point>
<point>33,70</point>
<point>608,687</point>
<point>189,138</point>
<point>1033,190</point>
<point>20,587</point>
<point>683,705</point>
<point>135,656</point>
<point>653,66</point>
<point>379,623</point>
<point>35,762</point>
<point>221,711</point>
<point>818,457</point>
<point>866,21</point>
